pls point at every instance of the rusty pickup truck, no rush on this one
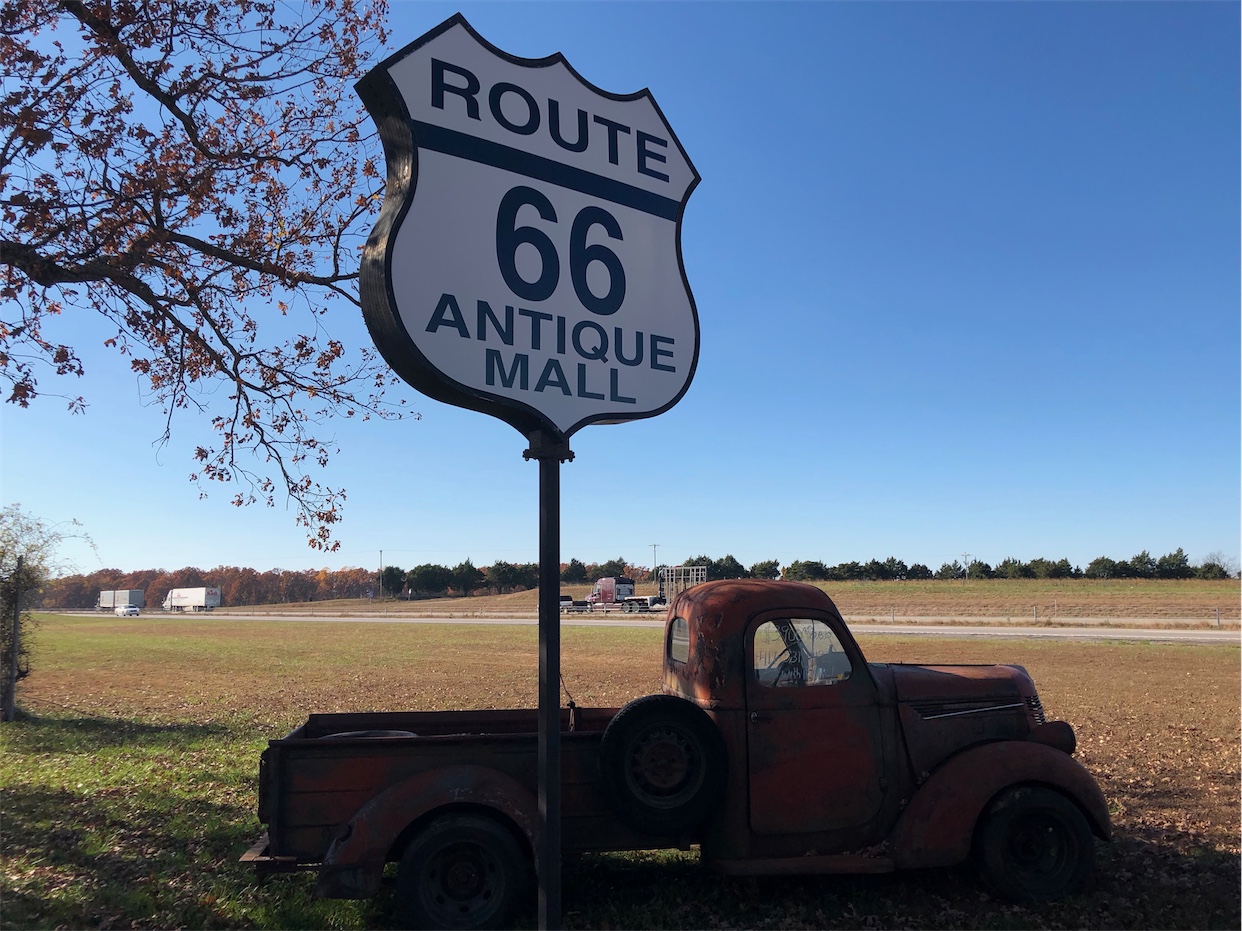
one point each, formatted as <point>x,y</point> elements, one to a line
<point>775,748</point>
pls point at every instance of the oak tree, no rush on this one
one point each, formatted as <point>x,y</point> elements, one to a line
<point>199,174</point>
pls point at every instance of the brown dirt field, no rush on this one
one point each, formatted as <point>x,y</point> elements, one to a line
<point>1019,598</point>
<point>1158,725</point>
<point>1069,599</point>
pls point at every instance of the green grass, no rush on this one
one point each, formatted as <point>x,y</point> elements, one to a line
<point>128,783</point>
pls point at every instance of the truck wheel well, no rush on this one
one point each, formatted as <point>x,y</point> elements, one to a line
<point>1034,784</point>
<point>407,834</point>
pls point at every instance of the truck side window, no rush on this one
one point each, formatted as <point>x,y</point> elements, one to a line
<point>795,652</point>
<point>679,641</point>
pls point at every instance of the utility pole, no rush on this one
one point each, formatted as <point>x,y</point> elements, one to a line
<point>654,561</point>
<point>966,565</point>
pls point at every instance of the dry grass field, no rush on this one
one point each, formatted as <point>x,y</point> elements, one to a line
<point>128,784</point>
<point>1047,599</point>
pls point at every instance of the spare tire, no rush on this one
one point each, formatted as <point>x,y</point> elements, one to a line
<point>664,764</point>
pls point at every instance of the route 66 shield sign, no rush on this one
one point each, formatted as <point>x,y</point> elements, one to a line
<point>526,262</point>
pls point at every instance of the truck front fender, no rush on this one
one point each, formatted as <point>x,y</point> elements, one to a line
<point>354,864</point>
<point>937,827</point>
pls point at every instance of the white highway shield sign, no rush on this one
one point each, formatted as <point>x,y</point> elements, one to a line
<point>527,259</point>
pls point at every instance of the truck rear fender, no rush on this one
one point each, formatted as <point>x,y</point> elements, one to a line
<point>937,827</point>
<point>379,830</point>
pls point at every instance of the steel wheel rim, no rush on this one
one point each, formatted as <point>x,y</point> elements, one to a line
<point>1040,849</point>
<point>664,766</point>
<point>460,881</point>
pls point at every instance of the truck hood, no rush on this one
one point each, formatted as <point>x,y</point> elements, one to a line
<point>945,709</point>
<point>954,685</point>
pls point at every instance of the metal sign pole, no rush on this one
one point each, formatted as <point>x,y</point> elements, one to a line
<point>550,453</point>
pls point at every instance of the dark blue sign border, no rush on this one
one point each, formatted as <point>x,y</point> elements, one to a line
<point>402,137</point>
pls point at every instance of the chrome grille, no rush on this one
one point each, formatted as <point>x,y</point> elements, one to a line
<point>1036,708</point>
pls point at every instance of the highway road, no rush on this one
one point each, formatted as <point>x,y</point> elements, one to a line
<point>1093,632</point>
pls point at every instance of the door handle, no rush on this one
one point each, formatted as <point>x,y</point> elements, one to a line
<point>756,717</point>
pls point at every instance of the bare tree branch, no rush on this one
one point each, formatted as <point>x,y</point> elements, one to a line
<point>193,171</point>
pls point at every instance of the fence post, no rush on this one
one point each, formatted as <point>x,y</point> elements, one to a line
<point>10,697</point>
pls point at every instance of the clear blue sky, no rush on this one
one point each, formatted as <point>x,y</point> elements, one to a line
<point>968,282</point>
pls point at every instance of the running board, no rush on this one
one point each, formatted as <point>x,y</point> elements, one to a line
<point>793,866</point>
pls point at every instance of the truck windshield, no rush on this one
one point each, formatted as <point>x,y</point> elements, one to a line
<point>794,652</point>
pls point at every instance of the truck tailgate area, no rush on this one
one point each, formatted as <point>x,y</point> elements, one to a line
<point>316,778</point>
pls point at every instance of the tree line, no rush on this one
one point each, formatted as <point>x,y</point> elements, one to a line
<point>242,586</point>
<point>1175,565</point>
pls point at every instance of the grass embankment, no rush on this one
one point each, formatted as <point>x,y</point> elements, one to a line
<point>128,785</point>
<point>1044,599</point>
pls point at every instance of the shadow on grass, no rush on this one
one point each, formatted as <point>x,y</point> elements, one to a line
<point>143,858</point>
<point>53,733</point>
<point>1138,885</point>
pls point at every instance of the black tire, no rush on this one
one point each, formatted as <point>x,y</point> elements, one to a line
<point>664,764</point>
<point>1034,845</point>
<point>462,870</point>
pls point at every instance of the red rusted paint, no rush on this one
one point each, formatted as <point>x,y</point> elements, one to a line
<point>356,858</point>
<point>936,828</point>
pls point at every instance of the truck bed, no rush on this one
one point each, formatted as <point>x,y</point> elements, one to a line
<point>313,780</point>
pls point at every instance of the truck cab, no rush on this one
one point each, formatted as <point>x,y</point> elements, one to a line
<point>611,590</point>
<point>839,765</point>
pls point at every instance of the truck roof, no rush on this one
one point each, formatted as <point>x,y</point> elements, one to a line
<point>714,616</point>
<point>739,599</point>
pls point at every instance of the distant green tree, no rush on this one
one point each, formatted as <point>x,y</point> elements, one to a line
<point>1143,566</point>
<point>1175,565</point>
<point>896,569</point>
<point>502,577</point>
<point>766,569</point>
<point>1046,569</point>
<point>1217,565</point>
<point>574,573</point>
<point>800,570</point>
<point>429,579</point>
<point>918,572</point>
<point>466,577</point>
<point>392,580</point>
<point>875,571</point>
<point>951,570</point>
<point>705,561</point>
<point>613,568</point>
<point>1211,571</point>
<point>727,568</point>
<point>980,570</point>
<point>528,575</point>
<point>1010,568</point>
<point>846,572</point>
<point>1102,567</point>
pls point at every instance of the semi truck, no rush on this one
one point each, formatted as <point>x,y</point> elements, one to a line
<point>618,592</point>
<point>774,747</point>
<point>192,599</point>
<point>110,601</point>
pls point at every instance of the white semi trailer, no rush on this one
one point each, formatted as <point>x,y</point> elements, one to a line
<point>192,599</point>
<point>108,601</point>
